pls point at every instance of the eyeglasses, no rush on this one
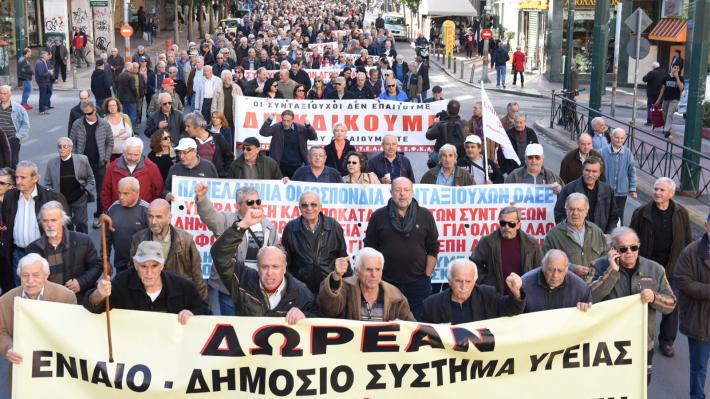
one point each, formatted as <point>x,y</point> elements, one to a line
<point>391,85</point>
<point>168,103</point>
<point>165,138</point>
<point>625,249</point>
<point>503,223</point>
<point>353,162</point>
<point>89,113</point>
<point>252,202</point>
<point>250,148</point>
<point>576,210</point>
<point>536,157</point>
<point>300,90</point>
<point>63,146</point>
<point>309,205</point>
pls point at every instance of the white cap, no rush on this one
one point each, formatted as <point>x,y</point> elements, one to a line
<point>186,144</point>
<point>472,138</point>
<point>530,150</point>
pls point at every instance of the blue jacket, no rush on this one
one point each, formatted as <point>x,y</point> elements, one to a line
<point>539,296</point>
<point>21,121</point>
<point>620,170</point>
<point>305,173</point>
<point>401,96</point>
<point>42,75</point>
<point>500,57</point>
<point>379,166</point>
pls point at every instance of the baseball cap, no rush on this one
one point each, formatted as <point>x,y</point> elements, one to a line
<point>533,149</point>
<point>186,144</point>
<point>99,62</point>
<point>141,59</point>
<point>149,250</point>
<point>473,139</point>
<point>168,81</point>
<point>251,141</point>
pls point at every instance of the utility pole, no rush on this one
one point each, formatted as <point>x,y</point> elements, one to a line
<point>127,40</point>
<point>615,74</point>
<point>697,70</point>
<point>20,33</point>
<point>176,25</point>
<point>600,41</point>
<point>569,53</point>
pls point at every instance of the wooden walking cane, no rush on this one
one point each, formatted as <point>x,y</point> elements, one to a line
<point>107,273</point>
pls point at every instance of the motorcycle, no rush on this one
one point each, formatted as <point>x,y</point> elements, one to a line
<point>423,51</point>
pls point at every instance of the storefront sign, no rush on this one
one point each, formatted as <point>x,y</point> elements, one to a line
<point>589,3</point>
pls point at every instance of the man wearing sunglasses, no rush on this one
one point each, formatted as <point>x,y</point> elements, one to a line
<point>663,226</point>
<point>623,273</point>
<point>71,175</point>
<point>256,237</point>
<point>506,250</point>
<point>167,117</point>
<point>253,165</point>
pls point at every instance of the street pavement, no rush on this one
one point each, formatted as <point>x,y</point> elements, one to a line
<point>670,376</point>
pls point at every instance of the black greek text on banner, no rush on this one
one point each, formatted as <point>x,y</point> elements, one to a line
<point>463,214</point>
<point>563,353</point>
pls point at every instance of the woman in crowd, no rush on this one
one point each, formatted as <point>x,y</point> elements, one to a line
<point>162,152</point>
<point>121,126</point>
<point>272,89</point>
<point>356,164</point>
<point>338,147</point>
<point>317,92</point>
<point>299,92</point>
<point>220,125</point>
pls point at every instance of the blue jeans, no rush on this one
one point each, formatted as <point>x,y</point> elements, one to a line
<point>416,292</point>
<point>130,110</point>
<point>26,90</point>
<point>699,356</point>
<point>221,304</point>
<point>500,75</point>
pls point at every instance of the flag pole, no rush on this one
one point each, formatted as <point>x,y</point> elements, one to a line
<point>107,274</point>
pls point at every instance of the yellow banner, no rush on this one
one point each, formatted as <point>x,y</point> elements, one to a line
<point>449,35</point>
<point>563,354</point>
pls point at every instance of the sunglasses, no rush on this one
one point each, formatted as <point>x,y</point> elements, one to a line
<point>165,138</point>
<point>169,103</point>
<point>537,157</point>
<point>62,146</point>
<point>300,90</point>
<point>252,202</point>
<point>353,162</point>
<point>625,249</point>
<point>89,113</point>
<point>503,223</point>
<point>391,85</point>
<point>309,205</point>
<point>250,148</point>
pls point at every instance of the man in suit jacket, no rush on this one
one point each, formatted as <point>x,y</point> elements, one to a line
<point>31,287</point>
<point>78,190</point>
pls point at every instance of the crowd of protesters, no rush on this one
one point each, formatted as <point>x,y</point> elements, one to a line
<point>185,99</point>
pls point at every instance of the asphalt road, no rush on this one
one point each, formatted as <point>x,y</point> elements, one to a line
<point>670,376</point>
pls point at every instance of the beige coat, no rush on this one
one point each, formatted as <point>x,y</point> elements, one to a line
<point>218,98</point>
<point>344,303</point>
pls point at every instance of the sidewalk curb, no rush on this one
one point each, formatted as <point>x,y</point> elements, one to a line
<point>645,186</point>
<point>524,94</point>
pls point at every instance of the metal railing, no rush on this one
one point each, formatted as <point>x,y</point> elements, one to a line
<point>654,154</point>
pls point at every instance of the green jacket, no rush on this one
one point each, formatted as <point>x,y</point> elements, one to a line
<point>562,238</point>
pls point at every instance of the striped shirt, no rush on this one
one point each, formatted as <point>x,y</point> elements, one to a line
<point>26,228</point>
<point>6,123</point>
<point>206,148</point>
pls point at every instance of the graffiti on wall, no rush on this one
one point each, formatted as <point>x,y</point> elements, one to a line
<point>102,29</point>
<point>56,23</point>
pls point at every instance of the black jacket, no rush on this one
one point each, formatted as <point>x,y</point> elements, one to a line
<point>654,80</point>
<point>486,304</point>
<point>301,78</point>
<point>606,216</point>
<point>308,264</point>
<point>243,282</point>
<point>332,159</point>
<point>79,260</point>
<point>266,168</point>
<point>223,156</point>
<point>127,292</point>
<point>125,89</point>
<point>25,70</point>
<point>74,114</point>
<point>508,165</point>
<point>276,132</point>
<point>539,296</point>
<point>176,124</point>
<point>347,95</point>
<point>101,82</point>
<point>448,130</point>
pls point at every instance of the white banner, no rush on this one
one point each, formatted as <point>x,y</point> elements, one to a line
<point>367,121</point>
<point>463,214</point>
<point>312,73</point>
<point>493,129</point>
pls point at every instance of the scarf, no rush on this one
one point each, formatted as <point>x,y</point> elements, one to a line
<point>403,225</point>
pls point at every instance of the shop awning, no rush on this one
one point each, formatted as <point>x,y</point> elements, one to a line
<point>447,8</point>
<point>670,30</point>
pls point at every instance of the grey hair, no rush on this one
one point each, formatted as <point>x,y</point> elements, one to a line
<point>576,196</point>
<point>242,191</point>
<point>196,120</point>
<point>521,115</point>
<point>367,252</point>
<point>86,104</point>
<point>618,130</point>
<point>267,247</point>
<point>585,134</point>
<point>54,205</point>
<point>6,87</point>
<point>132,181</point>
<point>553,252</point>
<point>163,95</point>
<point>29,165</point>
<point>309,192</point>
<point>596,120</point>
<point>461,262</point>
<point>66,140</point>
<point>621,231</point>
<point>31,259</point>
<point>508,210</point>
<point>207,67</point>
<point>447,148</point>
<point>668,181</point>
<point>340,79</point>
<point>133,142</point>
<point>225,73</point>
<point>160,64</point>
<point>510,105</point>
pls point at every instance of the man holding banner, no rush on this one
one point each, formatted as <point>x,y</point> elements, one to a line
<point>289,141</point>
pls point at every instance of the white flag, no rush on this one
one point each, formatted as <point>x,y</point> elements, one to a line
<point>493,129</point>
